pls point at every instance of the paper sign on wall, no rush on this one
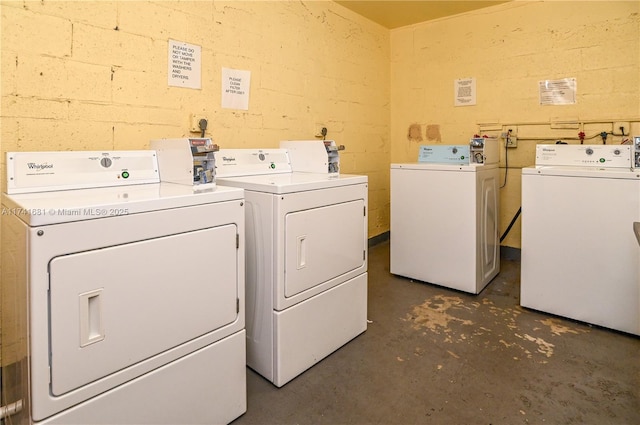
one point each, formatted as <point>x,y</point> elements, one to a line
<point>235,88</point>
<point>558,92</point>
<point>185,63</point>
<point>465,92</point>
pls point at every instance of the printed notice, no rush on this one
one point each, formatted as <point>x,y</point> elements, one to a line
<point>235,88</point>
<point>465,92</point>
<point>185,62</point>
<point>558,92</point>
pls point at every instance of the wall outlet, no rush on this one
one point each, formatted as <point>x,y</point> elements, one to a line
<point>621,124</point>
<point>510,138</point>
<point>193,124</point>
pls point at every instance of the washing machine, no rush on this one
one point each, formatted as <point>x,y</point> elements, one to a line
<point>580,258</point>
<point>444,216</point>
<point>122,297</point>
<point>306,256</point>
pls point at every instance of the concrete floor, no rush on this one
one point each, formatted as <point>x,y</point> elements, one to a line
<point>436,356</point>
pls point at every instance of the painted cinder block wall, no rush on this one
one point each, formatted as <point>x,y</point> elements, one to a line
<point>508,49</point>
<point>92,75</point>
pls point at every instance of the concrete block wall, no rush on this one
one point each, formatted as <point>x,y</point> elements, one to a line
<point>93,76</point>
<point>508,49</point>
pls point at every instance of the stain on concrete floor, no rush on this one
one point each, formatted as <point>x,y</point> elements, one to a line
<point>457,322</point>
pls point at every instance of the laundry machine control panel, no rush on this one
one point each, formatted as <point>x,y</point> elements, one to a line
<point>636,151</point>
<point>252,162</point>
<point>444,154</point>
<point>29,172</point>
<point>606,156</point>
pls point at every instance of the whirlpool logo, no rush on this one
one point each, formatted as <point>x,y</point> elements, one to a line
<point>39,167</point>
<point>228,158</point>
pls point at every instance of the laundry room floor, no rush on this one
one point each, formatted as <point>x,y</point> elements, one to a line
<point>432,355</point>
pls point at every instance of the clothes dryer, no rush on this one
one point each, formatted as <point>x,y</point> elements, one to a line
<point>580,257</point>
<point>122,303</point>
<point>444,218</point>
<point>306,260</point>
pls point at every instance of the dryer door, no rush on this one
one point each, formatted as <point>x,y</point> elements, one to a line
<point>322,244</point>
<point>119,305</point>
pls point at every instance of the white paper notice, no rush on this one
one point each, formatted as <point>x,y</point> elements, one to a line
<point>235,88</point>
<point>185,63</point>
<point>465,92</point>
<point>558,92</point>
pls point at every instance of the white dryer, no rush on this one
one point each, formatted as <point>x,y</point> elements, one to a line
<point>306,275</point>
<point>444,217</point>
<point>120,304</point>
<point>580,257</point>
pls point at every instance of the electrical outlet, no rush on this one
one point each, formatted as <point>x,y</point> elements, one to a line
<point>618,125</point>
<point>195,119</point>
<point>510,136</point>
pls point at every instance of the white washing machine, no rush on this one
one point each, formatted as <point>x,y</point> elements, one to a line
<point>120,304</point>
<point>580,258</point>
<point>444,217</point>
<point>306,256</point>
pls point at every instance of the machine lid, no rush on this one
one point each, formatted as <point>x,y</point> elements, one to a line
<point>292,182</point>
<point>43,208</point>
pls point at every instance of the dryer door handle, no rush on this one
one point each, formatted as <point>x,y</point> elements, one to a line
<point>91,327</point>
<point>302,252</point>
